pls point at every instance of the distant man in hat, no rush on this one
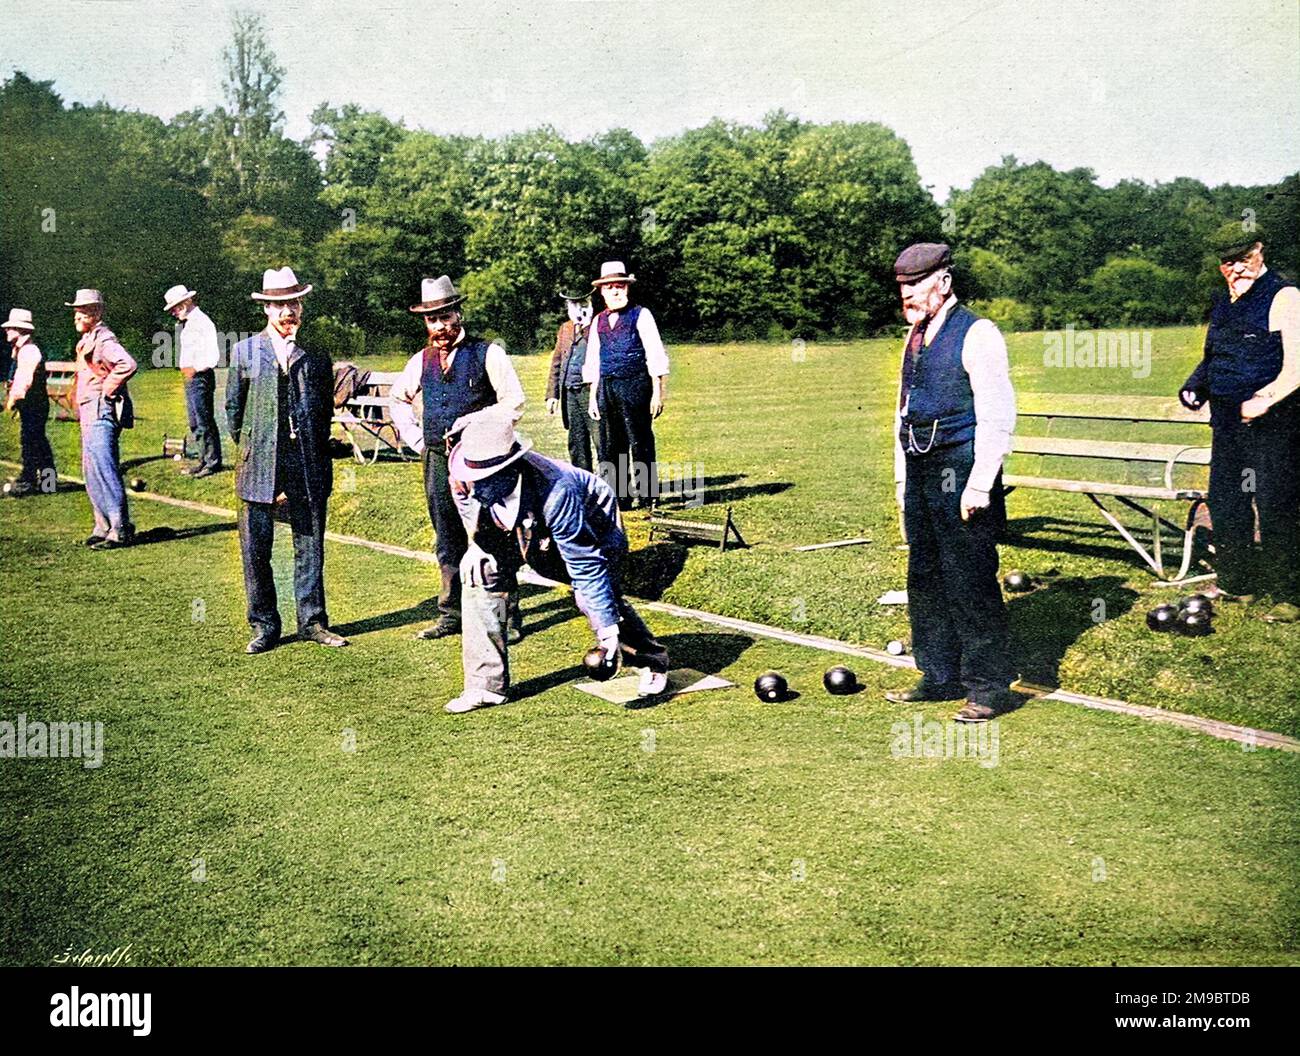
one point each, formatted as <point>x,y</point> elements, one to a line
<point>627,368</point>
<point>199,355</point>
<point>518,506</point>
<point>956,413</point>
<point>566,392</point>
<point>29,396</point>
<point>454,375</point>
<point>1250,375</point>
<point>104,409</point>
<point>280,403</point>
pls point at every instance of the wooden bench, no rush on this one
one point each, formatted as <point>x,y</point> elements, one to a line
<point>1114,454</point>
<point>367,420</point>
<point>61,383</point>
<point>695,531</point>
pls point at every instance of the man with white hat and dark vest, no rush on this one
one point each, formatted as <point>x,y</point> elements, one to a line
<point>518,506</point>
<point>627,368</point>
<point>956,413</point>
<point>566,392</point>
<point>280,406</point>
<point>104,409</point>
<point>454,375</point>
<point>200,353</point>
<point>29,395</point>
<point>1250,374</point>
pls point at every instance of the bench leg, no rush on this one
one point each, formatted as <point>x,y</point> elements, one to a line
<point>1114,521</point>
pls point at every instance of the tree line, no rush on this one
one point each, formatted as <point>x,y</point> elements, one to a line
<point>788,229</point>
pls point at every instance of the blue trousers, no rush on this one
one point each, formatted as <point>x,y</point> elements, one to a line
<point>99,465</point>
<point>959,622</point>
<point>203,423</point>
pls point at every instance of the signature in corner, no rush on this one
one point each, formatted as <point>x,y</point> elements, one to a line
<point>120,955</point>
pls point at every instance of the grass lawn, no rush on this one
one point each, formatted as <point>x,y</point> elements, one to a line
<point>797,439</point>
<point>230,824</point>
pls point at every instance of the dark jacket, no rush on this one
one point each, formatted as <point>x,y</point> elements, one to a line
<point>565,339</point>
<point>252,398</point>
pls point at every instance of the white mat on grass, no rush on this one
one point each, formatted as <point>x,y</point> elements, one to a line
<point>622,690</point>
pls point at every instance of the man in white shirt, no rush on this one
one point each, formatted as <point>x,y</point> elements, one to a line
<point>454,375</point>
<point>29,396</point>
<point>199,355</point>
<point>627,368</point>
<point>956,413</point>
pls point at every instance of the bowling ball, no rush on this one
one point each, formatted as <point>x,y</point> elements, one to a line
<point>1018,582</point>
<point>600,667</point>
<point>176,458</point>
<point>771,686</point>
<point>1197,603</point>
<point>896,648</point>
<point>137,484</point>
<point>839,681</point>
<point>1195,624</point>
<point>1162,618</point>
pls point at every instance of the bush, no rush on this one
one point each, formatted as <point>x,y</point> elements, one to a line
<point>339,340</point>
<point>1010,315</point>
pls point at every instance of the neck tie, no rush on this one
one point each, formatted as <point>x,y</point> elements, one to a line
<point>914,344</point>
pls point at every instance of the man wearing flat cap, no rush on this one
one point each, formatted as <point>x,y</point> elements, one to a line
<point>1250,375</point>
<point>104,409</point>
<point>454,375</point>
<point>518,506</point>
<point>200,353</point>
<point>627,369</point>
<point>280,404</point>
<point>956,412</point>
<point>29,395</point>
<point>566,392</point>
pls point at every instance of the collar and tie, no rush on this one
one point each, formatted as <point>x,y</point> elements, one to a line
<point>915,343</point>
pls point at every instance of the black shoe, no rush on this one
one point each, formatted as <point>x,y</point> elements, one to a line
<point>445,627</point>
<point>263,642</point>
<point>202,471</point>
<point>189,471</point>
<point>108,544</point>
<point>92,540</point>
<point>321,636</point>
<point>16,489</point>
<point>515,633</point>
<point>924,690</point>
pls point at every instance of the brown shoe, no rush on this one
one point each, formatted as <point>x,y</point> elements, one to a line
<point>444,627</point>
<point>1282,612</point>
<point>924,690</point>
<point>321,636</point>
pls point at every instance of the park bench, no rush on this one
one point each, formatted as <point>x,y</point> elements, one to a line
<point>1117,438</point>
<point>695,531</point>
<point>61,383</point>
<point>367,420</point>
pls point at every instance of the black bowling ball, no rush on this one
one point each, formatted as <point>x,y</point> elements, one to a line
<point>1195,624</point>
<point>839,681</point>
<point>600,667</point>
<point>1018,582</point>
<point>1162,618</point>
<point>1197,603</point>
<point>771,686</point>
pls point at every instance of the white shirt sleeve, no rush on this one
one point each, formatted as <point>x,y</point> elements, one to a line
<point>505,382</point>
<point>591,365</point>
<point>1284,315</point>
<point>29,357</point>
<point>199,348</point>
<point>656,356</point>
<point>401,398</point>
<point>984,356</point>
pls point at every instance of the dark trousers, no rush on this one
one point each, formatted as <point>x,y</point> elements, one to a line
<point>203,423</point>
<point>959,622</point>
<point>1253,469</point>
<point>626,438</point>
<point>579,425</point>
<point>449,539</point>
<point>256,533</point>
<point>38,458</point>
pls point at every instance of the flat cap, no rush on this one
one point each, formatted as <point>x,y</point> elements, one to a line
<point>920,259</point>
<point>1235,239</point>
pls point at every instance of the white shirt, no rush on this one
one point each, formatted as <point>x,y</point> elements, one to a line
<point>505,383</point>
<point>198,340</point>
<point>26,362</point>
<point>1284,315</point>
<point>984,357</point>
<point>656,356</point>
<point>282,347</point>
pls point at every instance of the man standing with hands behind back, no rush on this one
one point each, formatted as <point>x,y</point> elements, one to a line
<point>956,413</point>
<point>198,361</point>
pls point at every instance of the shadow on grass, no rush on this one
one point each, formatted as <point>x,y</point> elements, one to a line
<point>713,491</point>
<point>1048,621</point>
<point>422,612</point>
<point>650,571</point>
<point>164,534</point>
<point>1109,547</point>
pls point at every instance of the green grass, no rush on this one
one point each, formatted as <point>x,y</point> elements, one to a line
<point>544,831</point>
<point>799,445</point>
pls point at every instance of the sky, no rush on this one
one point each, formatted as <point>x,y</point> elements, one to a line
<point>1149,90</point>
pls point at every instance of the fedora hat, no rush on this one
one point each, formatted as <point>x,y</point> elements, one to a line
<point>281,285</point>
<point>488,443</point>
<point>19,319</point>
<point>435,295</point>
<point>571,293</point>
<point>176,295</point>
<point>613,271</point>
<point>86,299</point>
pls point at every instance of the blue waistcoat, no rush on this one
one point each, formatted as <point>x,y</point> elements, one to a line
<point>466,389</point>
<point>1241,354</point>
<point>940,391</point>
<point>622,355</point>
<point>577,355</point>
